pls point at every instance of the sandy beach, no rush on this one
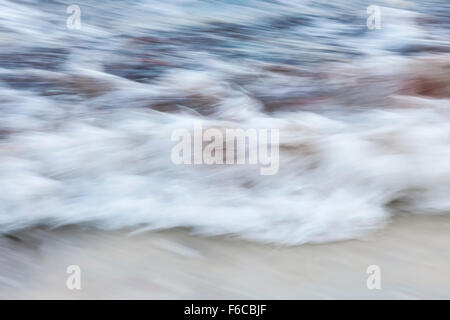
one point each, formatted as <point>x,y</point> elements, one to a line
<point>412,253</point>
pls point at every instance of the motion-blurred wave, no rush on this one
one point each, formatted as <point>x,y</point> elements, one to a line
<point>87,115</point>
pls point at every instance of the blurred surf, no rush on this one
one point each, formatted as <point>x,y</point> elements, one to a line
<point>87,115</point>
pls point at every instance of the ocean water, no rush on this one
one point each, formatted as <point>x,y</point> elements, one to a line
<point>86,116</point>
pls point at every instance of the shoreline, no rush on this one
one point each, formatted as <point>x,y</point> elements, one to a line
<point>412,253</point>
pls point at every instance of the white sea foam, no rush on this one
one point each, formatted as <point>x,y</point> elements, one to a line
<point>337,174</point>
<point>98,152</point>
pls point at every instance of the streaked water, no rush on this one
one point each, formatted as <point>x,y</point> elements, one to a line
<point>87,115</point>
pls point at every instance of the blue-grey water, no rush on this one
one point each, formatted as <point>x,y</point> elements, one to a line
<point>87,114</point>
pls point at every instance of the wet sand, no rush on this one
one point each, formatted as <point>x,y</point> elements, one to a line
<point>412,253</point>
